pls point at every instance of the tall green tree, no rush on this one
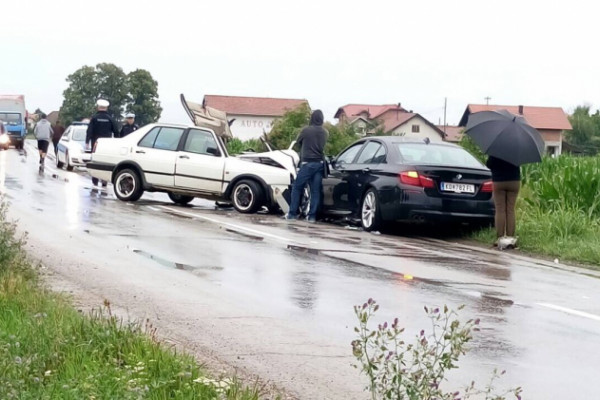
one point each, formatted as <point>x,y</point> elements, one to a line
<point>136,92</point>
<point>143,97</point>
<point>286,129</point>
<point>586,129</point>
<point>80,96</point>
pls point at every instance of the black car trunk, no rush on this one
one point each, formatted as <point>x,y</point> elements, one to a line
<point>453,182</point>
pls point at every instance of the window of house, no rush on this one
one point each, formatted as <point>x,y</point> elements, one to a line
<point>416,128</point>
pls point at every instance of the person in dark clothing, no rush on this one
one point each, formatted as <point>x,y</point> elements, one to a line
<point>59,130</point>
<point>312,141</point>
<point>102,125</point>
<point>507,183</point>
<point>129,126</point>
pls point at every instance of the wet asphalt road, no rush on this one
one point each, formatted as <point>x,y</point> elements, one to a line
<point>275,298</point>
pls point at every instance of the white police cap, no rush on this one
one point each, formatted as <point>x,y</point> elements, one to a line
<point>130,115</point>
<point>102,103</point>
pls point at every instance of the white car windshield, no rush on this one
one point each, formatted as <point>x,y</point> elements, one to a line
<point>431,154</point>
<point>79,135</point>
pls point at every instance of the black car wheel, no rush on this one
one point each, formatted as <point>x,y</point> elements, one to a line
<point>180,199</point>
<point>247,196</point>
<point>370,217</point>
<point>128,185</point>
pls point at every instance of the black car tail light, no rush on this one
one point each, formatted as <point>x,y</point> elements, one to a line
<point>413,178</point>
<point>487,187</point>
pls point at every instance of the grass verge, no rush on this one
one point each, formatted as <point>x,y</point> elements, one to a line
<point>562,232</point>
<point>50,351</point>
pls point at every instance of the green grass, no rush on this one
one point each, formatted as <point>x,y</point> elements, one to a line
<point>558,213</point>
<point>50,351</point>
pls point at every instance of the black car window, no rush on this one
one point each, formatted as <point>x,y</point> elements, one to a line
<point>369,151</point>
<point>150,138</point>
<point>380,156</point>
<point>348,156</point>
<point>430,154</point>
<point>200,142</point>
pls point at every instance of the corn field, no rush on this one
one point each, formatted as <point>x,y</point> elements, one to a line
<point>565,183</point>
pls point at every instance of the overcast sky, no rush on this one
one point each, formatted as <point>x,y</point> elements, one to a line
<point>331,53</point>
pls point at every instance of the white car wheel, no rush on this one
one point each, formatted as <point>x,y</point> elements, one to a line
<point>247,196</point>
<point>128,185</point>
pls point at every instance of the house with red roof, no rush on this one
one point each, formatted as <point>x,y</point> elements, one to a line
<point>452,133</point>
<point>251,117</point>
<point>551,122</point>
<point>392,119</point>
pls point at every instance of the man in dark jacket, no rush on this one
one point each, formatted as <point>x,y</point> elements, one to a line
<point>59,130</point>
<point>129,126</point>
<point>312,140</point>
<point>102,125</point>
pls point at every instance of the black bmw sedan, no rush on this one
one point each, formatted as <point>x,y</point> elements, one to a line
<point>390,178</point>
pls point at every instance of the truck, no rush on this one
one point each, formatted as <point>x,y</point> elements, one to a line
<point>13,116</point>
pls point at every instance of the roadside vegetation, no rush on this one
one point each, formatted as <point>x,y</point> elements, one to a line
<point>50,351</point>
<point>403,370</point>
<point>558,212</point>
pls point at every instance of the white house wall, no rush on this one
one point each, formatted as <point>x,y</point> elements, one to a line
<point>250,126</point>
<point>425,130</point>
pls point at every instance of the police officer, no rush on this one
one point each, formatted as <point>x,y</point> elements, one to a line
<point>130,125</point>
<point>102,125</point>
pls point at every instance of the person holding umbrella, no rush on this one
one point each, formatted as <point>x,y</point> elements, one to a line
<point>506,178</point>
<point>510,142</point>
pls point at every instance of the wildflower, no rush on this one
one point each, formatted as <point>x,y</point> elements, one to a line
<point>48,373</point>
<point>18,360</point>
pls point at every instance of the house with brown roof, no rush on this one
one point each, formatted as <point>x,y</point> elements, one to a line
<point>392,119</point>
<point>250,117</point>
<point>551,122</point>
<point>452,133</point>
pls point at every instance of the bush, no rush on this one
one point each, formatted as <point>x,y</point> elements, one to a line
<point>397,370</point>
<point>236,146</point>
<point>468,144</point>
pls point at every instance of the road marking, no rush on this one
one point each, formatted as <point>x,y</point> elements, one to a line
<point>570,311</point>
<point>216,221</point>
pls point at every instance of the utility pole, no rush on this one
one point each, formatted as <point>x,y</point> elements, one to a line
<point>487,100</point>
<point>445,106</point>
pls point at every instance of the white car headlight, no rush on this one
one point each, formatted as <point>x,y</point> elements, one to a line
<point>4,139</point>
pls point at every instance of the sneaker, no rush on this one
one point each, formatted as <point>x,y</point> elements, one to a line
<point>311,220</point>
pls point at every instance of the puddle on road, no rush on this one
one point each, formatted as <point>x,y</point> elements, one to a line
<point>170,264</point>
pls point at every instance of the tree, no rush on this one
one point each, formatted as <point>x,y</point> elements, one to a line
<point>586,129</point>
<point>340,137</point>
<point>135,92</point>
<point>286,129</point>
<point>143,97</point>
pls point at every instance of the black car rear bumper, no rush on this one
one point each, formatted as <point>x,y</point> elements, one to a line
<point>413,205</point>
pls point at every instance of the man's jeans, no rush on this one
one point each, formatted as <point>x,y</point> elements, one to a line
<point>310,173</point>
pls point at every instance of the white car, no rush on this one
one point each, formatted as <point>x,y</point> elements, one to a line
<point>189,161</point>
<point>71,148</point>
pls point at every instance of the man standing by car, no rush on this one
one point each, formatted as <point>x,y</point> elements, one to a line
<point>102,125</point>
<point>312,141</point>
<point>59,130</point>
<point>130,125</point>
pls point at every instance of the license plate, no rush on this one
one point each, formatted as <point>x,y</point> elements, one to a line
<point>458,187</point>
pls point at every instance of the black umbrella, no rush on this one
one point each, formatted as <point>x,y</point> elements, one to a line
<point>506,136</point>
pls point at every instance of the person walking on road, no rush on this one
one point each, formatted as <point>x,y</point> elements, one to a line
<point>102,125</point>
<point>312,140</point>
<point>43,133</point>
<point>59,130</point>
<point>130,125</point>
<point>506,179</point>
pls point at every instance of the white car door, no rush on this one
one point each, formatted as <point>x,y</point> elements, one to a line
<point>63,144</point>
<point>200,163</point>
<point>156,154</point>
